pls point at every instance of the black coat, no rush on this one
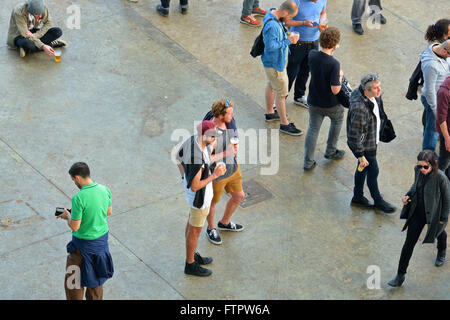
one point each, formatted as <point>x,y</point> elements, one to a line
<point>436,197</point>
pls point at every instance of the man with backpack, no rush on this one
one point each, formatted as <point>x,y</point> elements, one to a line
<point>274,59</point>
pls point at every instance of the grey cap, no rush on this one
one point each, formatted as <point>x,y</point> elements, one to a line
<point>36,7</point>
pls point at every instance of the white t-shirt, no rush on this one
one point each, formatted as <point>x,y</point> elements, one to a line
<point>30,22</point>
<point>376,111</point>
<point>190,195</point>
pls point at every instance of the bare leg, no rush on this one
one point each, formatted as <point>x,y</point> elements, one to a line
<point>191,242</point>
<point>270,97</point>
<point>281,107</point>
<point>210,217</point>
<point>232,204</point>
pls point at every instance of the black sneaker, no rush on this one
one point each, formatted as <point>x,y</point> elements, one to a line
<point>230,227</point>
<point>162,11</point>
<point>213,236</point>
<point>385,206</point>
<point>362,201</point>
<point>357,27</point>
<point>196,270</point>
<point>184,8</point>
<point>202,260</point>
<point>58,43</point>
<point>310,167</point>
<point>272,117</point>
<point>339,154</point>
<point>290,129</point>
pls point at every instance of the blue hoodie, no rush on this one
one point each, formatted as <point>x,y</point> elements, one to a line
<point>276,43</point>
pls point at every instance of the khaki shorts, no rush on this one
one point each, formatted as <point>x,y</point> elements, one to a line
<point>231,184</point>
<point>197,217</point>
<point>278,81</point>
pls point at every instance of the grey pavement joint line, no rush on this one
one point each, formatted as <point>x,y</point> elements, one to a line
<point>148,266</point>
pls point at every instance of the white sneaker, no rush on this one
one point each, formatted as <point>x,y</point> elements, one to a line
<point>301,102</point>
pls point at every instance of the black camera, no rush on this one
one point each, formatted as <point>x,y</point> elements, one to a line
<point>60,211</point>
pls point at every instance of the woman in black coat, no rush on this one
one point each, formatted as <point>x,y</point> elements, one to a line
<point>427,202</point>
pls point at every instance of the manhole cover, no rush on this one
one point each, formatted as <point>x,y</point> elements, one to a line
<point>254,193</point>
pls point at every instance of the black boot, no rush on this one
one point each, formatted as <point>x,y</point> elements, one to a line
<point>397,281</point>
<point>357,27</point>
<point>440,259</point>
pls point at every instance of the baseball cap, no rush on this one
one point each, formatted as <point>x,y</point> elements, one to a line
<point>208,128</point>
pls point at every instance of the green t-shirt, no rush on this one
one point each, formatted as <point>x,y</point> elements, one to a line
<point>91,206</point>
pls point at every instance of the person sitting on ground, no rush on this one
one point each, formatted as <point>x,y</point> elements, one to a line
<point>30,29</point>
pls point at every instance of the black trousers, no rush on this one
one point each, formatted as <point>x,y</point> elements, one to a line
<point>166,3</point>
<point>298,68</point>
<point>415,227</point>
<point>28,45</point>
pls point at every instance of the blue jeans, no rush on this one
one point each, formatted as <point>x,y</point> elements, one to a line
<point>248,6</point>
<point>359,7</point>
<point>430,136</point>
<point>371,171</point>
<point>316,116</point>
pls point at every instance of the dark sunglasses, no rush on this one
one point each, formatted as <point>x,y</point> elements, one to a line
<point>373,77</point>
<point>227,103</point>
<point>423,167</point>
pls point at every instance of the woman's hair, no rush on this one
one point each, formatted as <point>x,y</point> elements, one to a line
<point>429,157</point>
<point>435,32</point>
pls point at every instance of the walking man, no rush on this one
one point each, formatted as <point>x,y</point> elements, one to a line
<point>163,8</point>
<point>31,29</point>
<point>443,126</point>
<point>194,161</point>
<point>358,9</point>
<point>223,114</point>
<point>306,23</point>
<point>274,59</point>
<point>89,257</point>
<point>251,8</point>
<point>363,134</point>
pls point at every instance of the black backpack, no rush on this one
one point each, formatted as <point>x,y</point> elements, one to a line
<point>258,45</point>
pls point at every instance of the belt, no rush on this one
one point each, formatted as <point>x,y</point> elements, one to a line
<point>305,42</point>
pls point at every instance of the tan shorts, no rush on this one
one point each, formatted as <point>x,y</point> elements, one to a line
<point>278,81</point>
<point>197,217</point>
<point>231,184</point>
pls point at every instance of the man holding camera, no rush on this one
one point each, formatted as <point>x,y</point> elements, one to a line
<point>89,257</point>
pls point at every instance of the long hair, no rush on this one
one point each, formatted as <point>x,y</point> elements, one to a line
<point>429,157</point>
<point>435,32</point>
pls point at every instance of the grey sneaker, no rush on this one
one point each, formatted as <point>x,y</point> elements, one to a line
<point>290,129</point>
<point>301,102</point>
<point>339,154</point>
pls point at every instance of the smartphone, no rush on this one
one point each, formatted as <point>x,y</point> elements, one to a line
<point>60,211</point>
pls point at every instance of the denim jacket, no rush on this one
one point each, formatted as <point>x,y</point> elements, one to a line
<point>276,44</point>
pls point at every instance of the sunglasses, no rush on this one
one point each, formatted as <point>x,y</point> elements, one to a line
<point>373,77</point>
<point>423,167</point>
<point>227,103</point>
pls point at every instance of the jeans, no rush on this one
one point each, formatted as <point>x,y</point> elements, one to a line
<point>359,7</point>
<point>430,135</point>
<point>248,6</point>
<point>298,67</point>
<point>444,157</point>
<point>316,116</point>
<point>28,45</point>
<point>371,171</point>
<point>415,227</point>
<point>166,3</point>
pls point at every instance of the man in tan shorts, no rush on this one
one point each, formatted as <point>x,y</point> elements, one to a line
<point>226,146</point>
<point>194,161</point>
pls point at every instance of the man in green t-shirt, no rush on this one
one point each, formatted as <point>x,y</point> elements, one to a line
<point>88,250</point>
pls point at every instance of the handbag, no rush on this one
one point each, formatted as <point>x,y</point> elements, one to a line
<point>344,94</point>
<point>387,132</point>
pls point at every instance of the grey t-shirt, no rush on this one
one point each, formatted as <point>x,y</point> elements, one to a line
<point>223,141</point>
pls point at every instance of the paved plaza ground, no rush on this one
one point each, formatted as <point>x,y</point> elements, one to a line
<point>127,81</point>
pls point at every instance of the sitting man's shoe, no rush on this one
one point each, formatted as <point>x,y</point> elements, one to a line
<point>290,129</point>
<point>310,167</point>
<point>196,270</point>
<point>339,154</point>
<point>397,281</point>
<point>58,43</point>
<point>184,8</point>
<point>213,236</point>
<point>385,206</point>
<point>362,201</point>
<point>22,53</point>
<point>357,27</point>
<point>259,12</point>
<point>301,102</point>
<point>272,116</point>
<point>249,20</point>
<point>162,11</point>
<point>440,259</point>
<point>202,260</point>
<point>230,227</point>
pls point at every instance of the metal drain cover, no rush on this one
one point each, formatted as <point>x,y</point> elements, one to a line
<point>254,193</point>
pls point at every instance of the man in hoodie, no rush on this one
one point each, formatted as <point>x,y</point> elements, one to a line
<point>435,68</point>
<point>30,29</point>
<point>274,59</point>
<point>194,160</point>
<point>363,134</point>
<point>443,126</point>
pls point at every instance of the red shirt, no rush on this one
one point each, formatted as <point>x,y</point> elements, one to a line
<point>443,105</point>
